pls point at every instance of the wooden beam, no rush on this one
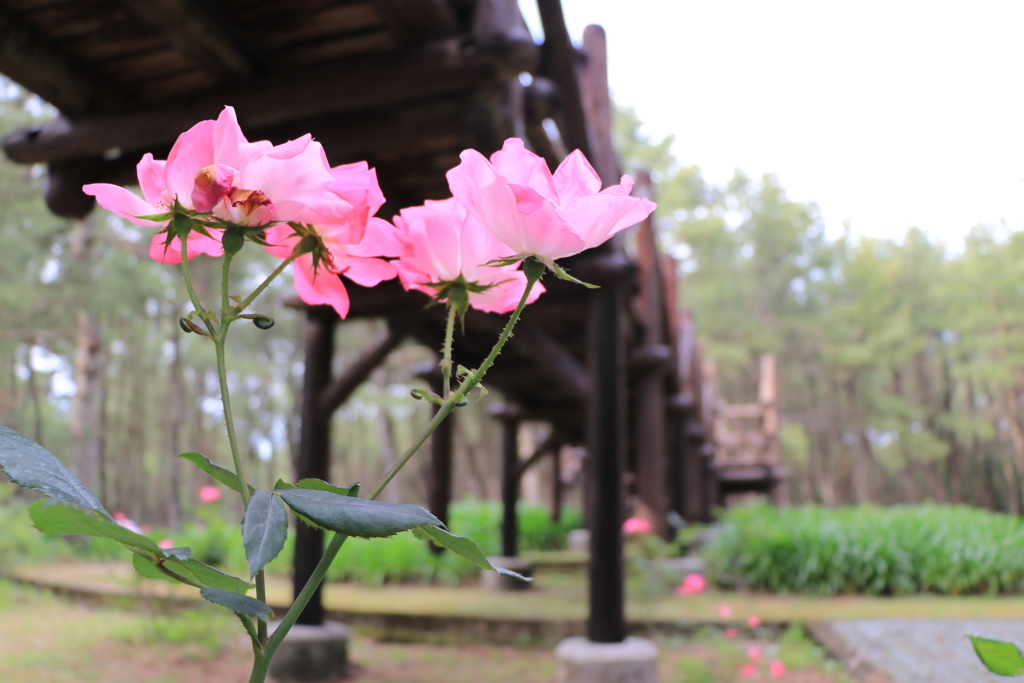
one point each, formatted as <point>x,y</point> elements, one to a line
<point>597,105</point>
<point>37,63</point>
<point>346,86</point>
<point>415,22</point>
<point>552,358</point>
<point>195,30</point>
<point>334,395</point>
<point>558,62</point>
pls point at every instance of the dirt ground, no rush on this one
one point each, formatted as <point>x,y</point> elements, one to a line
<point>44,639</point>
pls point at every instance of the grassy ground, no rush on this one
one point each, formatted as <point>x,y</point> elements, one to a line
<point>44,639</point>
<point>563,596</point>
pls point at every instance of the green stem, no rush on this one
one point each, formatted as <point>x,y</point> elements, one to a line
<point>446,354</point>
<point>196,303</point>
<point>260,668</point>
<point>263,285</point>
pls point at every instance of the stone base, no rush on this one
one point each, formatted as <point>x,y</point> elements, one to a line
<point>635,660</point>
<point>311,653</point>
<point>492,580</point>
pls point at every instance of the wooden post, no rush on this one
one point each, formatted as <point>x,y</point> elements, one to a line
<point>314,449</point>
<point>606,426</point>
<point>556,484</point>
<point>509,481</point>
<point>439,482</point>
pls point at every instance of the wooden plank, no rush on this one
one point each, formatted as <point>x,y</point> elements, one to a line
<point>31,59</point>
<point>331,89</point>
<point>552,358</point>
<point>414,22</point>
<point>198,33</point>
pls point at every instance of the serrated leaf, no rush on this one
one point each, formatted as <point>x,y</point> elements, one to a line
<point>313,484</point>
<point>465,548</point>
<point>61,520</point>
<point>999,657</point>
<point>264,529</point>
<point>145,568</point>
<point>240,604</point>
<point>226,477</point>
<point>30,465</point>
<point>356,516</point>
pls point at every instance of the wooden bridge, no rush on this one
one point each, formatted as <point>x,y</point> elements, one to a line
<point>407,85</point>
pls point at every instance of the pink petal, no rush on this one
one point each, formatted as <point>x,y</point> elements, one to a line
<point>357,183</point>
<point>520,166</point>
<point>124,203</point>
<point>368,272</point>
<point>575,178</point>
<point>295,168</point>
<point>282,239</point>
<point>229,144</point>
<point>198,244</point>
<point>212,183</point>
<point>192,151</point>
<point>597,217</point>
<point>151,178</point>
<point>380,239</point>
<point>624,187</point>
<point>323,288</point>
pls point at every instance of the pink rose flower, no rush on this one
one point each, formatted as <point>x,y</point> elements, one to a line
<point>351,242</point>
<point>748,671</point>
<point>124,521</point>
<point>691,585</point>
<point>724,611</point>
<point>447,245</point>
<point>536,213</point>
<point>753,621</point>
<point>165,543</point>
<point>730,633</point>
<point>776,669</point>
<point>209,494</point>
<point>213,168</point>
<point>636,525</point>
<point>754,653</point>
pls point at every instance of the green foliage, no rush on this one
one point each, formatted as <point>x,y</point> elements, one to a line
<point>798,651</point>
<point>357,517</point>
<point>30,465</point>
<point>876,551</point>
<point>461,546</point>
<point>999,657</point>
<point>239,604</point>
<point>211,629</point>
<point>694,671</point>
<point>264,529</point>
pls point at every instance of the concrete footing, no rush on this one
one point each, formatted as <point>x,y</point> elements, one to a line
<point>635,660</point>
<point>311,653</point>
<point>492,580</point>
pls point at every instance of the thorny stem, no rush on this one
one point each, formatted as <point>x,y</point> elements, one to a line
<point>263,285</point>
<point>196,303</point>
<point>446,354</point>
<point>261,665</point>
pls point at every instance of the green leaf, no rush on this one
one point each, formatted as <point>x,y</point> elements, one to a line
<point>226,477</point>
<point>463,547</point>
<point>999,657</point>
<point>264,529</point>
<point>147,569</point>
<point>240,604</point>
<point>312,484</point>
<point>61,520</point>
<point>356,516</point>
<point>30,465</point>
<point>563,275</point>
<point>208,576</point>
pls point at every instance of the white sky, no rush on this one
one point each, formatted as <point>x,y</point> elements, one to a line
<point>888,114</point>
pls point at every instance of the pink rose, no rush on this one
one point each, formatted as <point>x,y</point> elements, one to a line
<point>748,671</point>
<point>351,242</point>
<point>124,521</point>
<point>691,585</point>
<point>777,669</point>
<point>753,621</point>
<point>724,611</point>
<point>730,633</point>
<point>446,245</point>
<point>165,543</point>
<point>636,525</point>
<point>213,168</point>
<point>754,653</point>
<point>209,494</point>
<point>536,213</point>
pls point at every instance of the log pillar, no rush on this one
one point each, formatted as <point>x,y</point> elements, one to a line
<point>606,437</point>
<point>314,449</point>
<point>439,481</point>
<point>510,417</point>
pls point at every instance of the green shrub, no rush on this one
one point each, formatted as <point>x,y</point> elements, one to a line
<point>876,551</point>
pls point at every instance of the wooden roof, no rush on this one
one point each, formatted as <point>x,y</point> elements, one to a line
<point>403,84</point>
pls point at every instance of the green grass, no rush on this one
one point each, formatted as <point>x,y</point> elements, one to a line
<point>872,551</point>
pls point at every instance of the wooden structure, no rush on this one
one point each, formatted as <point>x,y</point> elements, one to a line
<point>406,85</point>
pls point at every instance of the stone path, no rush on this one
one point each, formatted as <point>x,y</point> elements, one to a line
<point>918,650</point>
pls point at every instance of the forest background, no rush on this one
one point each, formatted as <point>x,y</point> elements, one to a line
<point>901,361</point>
